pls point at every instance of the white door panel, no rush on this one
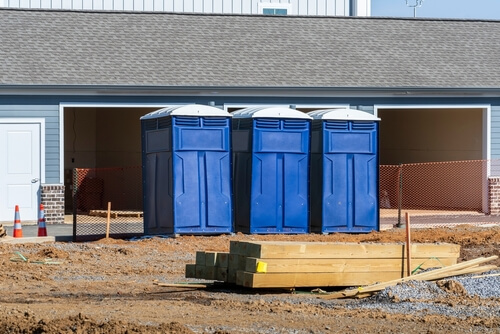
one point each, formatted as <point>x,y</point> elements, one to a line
<point>20,170</point>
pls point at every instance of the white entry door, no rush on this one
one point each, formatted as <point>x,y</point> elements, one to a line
<point>20,170</point>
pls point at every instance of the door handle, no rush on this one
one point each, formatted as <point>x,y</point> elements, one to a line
<point>35,180</point>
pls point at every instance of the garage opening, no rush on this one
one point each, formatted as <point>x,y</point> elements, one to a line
<point>433,159</point>
<point>102,138</point>
<point>430,135</point>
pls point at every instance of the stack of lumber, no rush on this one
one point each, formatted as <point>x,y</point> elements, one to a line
<point>272,264</point>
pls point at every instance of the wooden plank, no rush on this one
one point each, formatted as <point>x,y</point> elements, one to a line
<point>355,293</point>
<point>103,213</point>
<point>342,265</point>
<point>182,285</point>
<point>199,271</point>
<point>221,274</point>
<point>115,213</point>
<point>409,267</point>
<point>210,259</point>
<point>200,258</point>
<point>240,278</point>
<point>222,260</point>
<point>108,217</point>
<point>459,268</point>
<point>214,259</point>
<point>235,262</point>
<point>190,271</point>
<point>314,250</point>
<point>291,280</point>
<point>234,246</point>
<point>209,273</point>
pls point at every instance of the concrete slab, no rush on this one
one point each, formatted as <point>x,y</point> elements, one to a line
<point>26,240</point>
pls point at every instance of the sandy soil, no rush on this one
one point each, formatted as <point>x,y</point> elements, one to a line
<point>108,286</point>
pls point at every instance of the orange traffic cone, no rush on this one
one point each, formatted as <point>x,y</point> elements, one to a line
<point>18,230</point>
<point>42,228</point>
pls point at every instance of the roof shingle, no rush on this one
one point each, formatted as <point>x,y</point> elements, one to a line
<point>44,47</point>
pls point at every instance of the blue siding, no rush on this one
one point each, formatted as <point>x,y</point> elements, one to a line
<point>495,132</point>
<point>52,133</point>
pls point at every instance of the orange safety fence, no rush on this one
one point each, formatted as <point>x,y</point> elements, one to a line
<point>437,193</point>
<point>96,188</point>
<point>434,194</point>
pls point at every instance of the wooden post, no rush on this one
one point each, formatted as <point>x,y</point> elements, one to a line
<point>408,245</point>
<point>108,219</point>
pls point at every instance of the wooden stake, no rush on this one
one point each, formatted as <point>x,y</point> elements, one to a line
<point>408,245</point>
<point>108,219</point>
<point>181,285</point>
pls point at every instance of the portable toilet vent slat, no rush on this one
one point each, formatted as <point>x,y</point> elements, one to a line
<point>344,171</point>
<point>271,170</point>
<point>187,170</point>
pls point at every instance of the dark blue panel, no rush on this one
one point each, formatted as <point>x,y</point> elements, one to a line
<point>350,142</point>
<point>366,192</point>
<point>242,171</point>
<point>296,208</point>
<point>157,193</point>
<point>219,207</point>
<point>279,177</point>
<point>266,194</point>
<point>349,188</point>
<point>187,180</point>
<point>201,134</point>
<point>189,190</point>
<point>202,192</point>
<point>158,141</point>
<point>350,193</point>
<point>336,191</point>
<point>201,139</point>
<point>280,141</point>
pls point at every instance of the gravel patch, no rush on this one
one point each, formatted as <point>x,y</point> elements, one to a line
<point>483,287</point>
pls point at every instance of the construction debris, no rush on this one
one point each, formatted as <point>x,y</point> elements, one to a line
<point>3,233</point>
<point>261,264</point>
<point>18,257</point>
<point>467,267</point>
<point>182,285</point>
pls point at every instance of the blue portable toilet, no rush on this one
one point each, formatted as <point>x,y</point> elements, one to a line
<point>344,171</point>
<point>186,163</point>
<point>271,170</point>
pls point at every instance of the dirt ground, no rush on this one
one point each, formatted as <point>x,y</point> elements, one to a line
<point>108,286</point>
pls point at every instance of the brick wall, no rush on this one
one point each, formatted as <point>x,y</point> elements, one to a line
<point>494,195</point>
<point>52,197</point>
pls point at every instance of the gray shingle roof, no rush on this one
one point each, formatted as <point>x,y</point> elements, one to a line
<point>41,47</point>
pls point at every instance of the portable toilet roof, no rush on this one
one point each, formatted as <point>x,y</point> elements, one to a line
<point>187,110</point>
<point>270,112</point>
<point>343,114</point>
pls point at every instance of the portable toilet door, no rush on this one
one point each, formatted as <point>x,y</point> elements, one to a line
<point>187,170</point>
<point>271,170</point>
<point>344,171</point>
